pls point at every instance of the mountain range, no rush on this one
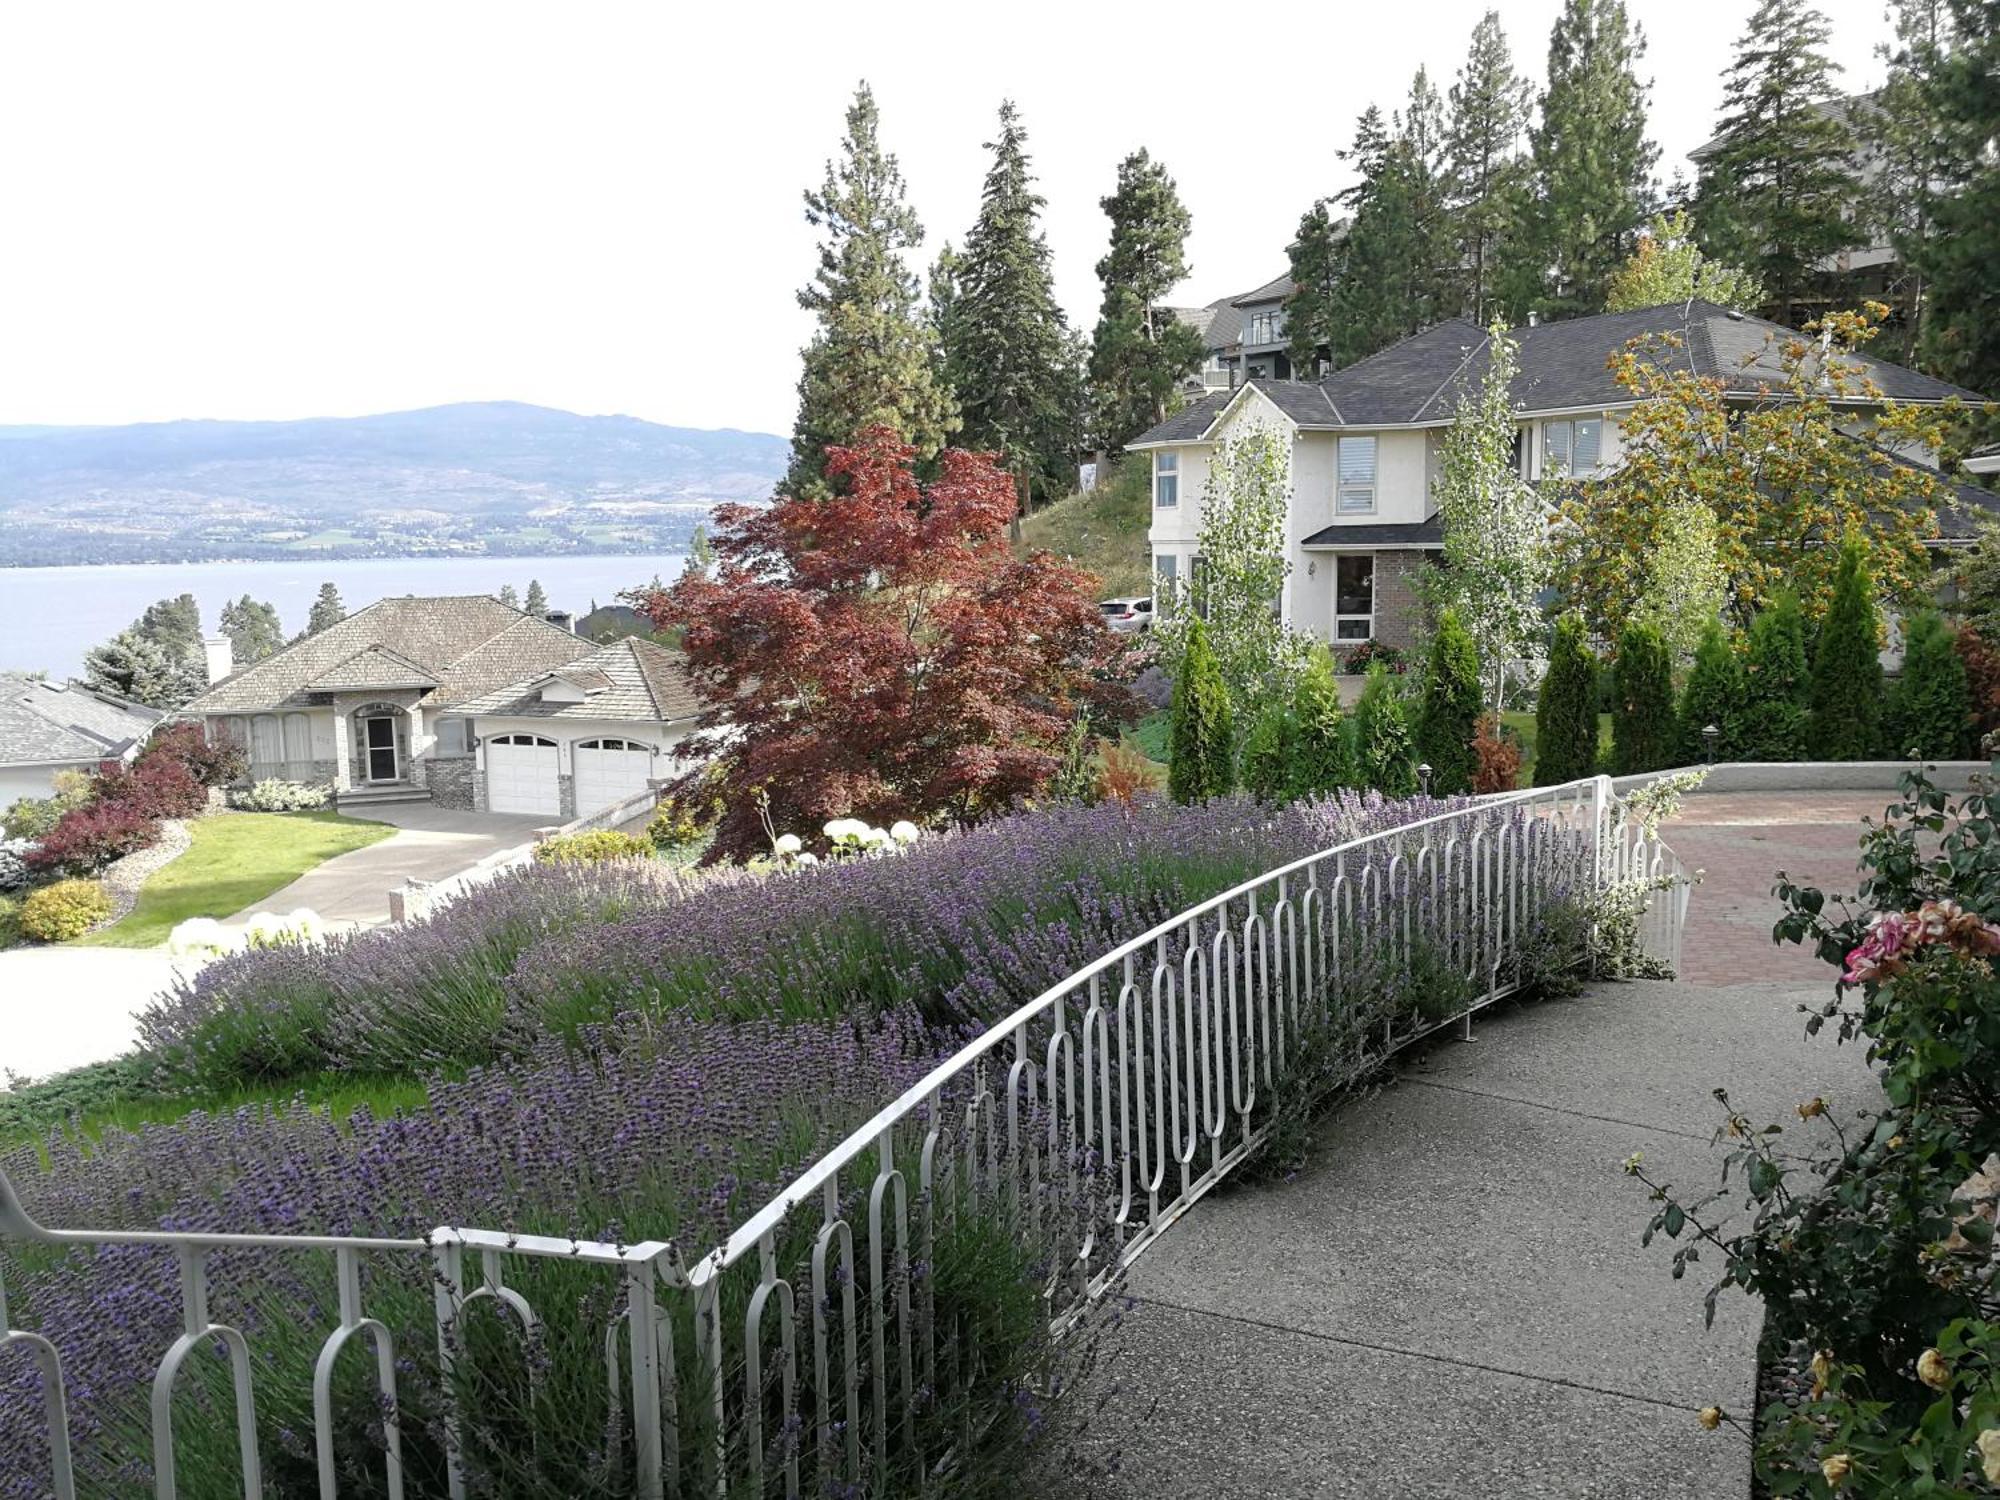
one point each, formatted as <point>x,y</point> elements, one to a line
<point>501,477</point>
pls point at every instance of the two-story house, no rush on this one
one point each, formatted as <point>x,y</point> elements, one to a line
<point>1365,444</point>
<point>1243,337</point>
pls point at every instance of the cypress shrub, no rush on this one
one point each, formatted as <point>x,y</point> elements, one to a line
<point>1385,752</point>
<point>1844,696</point>
<point>1931,709</point>
<point>1322,757</point>
<point>1268,753</point>
<point>1450,715</point>
<point>1642,712</point>
<point>1566,711</point>
<point>1201,738</point>
<point>1772,722</point>
<point>1713,695</point>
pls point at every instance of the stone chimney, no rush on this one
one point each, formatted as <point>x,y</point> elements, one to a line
<point>221,657</point>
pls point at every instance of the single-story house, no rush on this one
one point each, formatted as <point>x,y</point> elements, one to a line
<point>461,700</point>
<point>1365,444</point>
<point>46,727</point>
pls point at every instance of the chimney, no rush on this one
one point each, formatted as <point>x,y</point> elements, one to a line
<point>562,619</point>
<point>221,657</point>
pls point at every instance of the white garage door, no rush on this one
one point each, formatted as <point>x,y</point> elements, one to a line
<point>609,771</point>
<point>522,775</point>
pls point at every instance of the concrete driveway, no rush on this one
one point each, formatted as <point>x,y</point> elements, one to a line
<point>430,843</point>
<point>63,1007</point>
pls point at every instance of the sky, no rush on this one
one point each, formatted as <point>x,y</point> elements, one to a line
<point>329,209</point>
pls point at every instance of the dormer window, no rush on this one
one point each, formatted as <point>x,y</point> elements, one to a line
<point>1572,445</point>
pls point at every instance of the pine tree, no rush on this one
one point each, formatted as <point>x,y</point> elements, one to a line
<point>1268,752</point>
<point>509,596</point>
<point>1393,259</point>
<point>1592,164</point>
<point>1961,335</point>
<point>1642,706</point>
<point>1009,354</point>
<point>1321,755</point>
<point>537,602</point>
<point>1315,257</point>
<point>1844,701</point>
<point>871,360</point>
<point>1931,710</point>
<point>1201,742</point>
<point>1771,724</point>
<point>253,628</point>
<point>1489,114</point>
<point>1566,711</point>
<point>1385,752</point>
<point>327,609</point>
<point>1712,697</point>
<point>1777,192</point>
<point>1140,350</point>
<point>1450,714</point>
<point>700,555</point>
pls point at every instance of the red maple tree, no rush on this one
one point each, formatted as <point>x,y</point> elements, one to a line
<point>881,653</point>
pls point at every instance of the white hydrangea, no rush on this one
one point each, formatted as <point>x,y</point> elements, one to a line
<point>201,937</point>
<point>790,844</point>
<point>903,831</point>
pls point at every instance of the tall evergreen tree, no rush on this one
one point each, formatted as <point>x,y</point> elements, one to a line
<point>1140,350</point>
<point>1592,165</point>
<point>1642,714</point>
<point>1777,191</point>
<point>1314,259</point>
<point>137,666</point>
<point>253,629</point>
<point>871,360</point>
<point>1771,724</point>
<point>509,596</point>
<point>1961,336</point>
<point>537,602</point>
<point>1844,699</point>
<point>174,624</point>
<point>1201,743</point>
<point>1712,698</point>
<point>1449,715</point>
<point>1009,352</point>
<point>1385,752</point>
<point>1930,711</point>
<point>1322,757</point>
<point>1566,710</point>
<point>327,609</point>
<point>1395,270</point>
<point>1489,115</point>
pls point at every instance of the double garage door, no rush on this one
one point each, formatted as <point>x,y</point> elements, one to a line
<point>524,774</point>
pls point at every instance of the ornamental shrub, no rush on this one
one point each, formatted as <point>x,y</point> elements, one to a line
<point>1844,695</point>
<point>1496,749</point>
<point>1982,683</point>
<point>89,838</point>
<point>278,796</point>
<point>1201,740</point>
<point>591,847</point>
<point>1385,750</point>
<point>1450,714</point>
<point>1566,710</point>
<point>157,787</point>
<point>1713,696</point>
<point>186,743</point>
<point>1642,714</point>
<point>1268,752</point>
<point>14,864</point>
<point>31,817</point>
<point>1322,751</point>
<point>1771,725</point>
<point>67,909</point>
<point>1930,711</point>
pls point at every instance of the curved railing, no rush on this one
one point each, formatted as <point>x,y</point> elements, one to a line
<point>813,1348</point>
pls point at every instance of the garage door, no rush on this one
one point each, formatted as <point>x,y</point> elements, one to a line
<point>609,771</point>
<point>522,775</point>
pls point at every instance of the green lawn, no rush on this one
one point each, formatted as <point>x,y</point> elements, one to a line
<point>1522,722</point>
<point>1150,735</point>
<point>237,859</point>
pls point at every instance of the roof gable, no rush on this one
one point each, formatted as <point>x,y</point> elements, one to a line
<point>630,679</point>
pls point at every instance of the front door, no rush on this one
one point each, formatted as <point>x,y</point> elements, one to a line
<point>379,736</point>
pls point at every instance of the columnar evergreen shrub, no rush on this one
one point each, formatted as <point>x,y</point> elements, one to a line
<point>1844,697</point>
<point>1385,750</point>
<point>1450,714</point>
<point>1202,741</point>
<point>1931,711</point>
<point>1268,751</point>
<point>1642,714</point>
<point>1713,695</point>
<point>1322,752</point>
<point>1772,722</point>
<point>1566,712</point>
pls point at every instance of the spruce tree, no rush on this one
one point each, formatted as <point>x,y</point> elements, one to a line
<point>1777,190</point>
<point>1451,705</point>
<point>1930,712</point>
<point>1140,350</point>
<point>1961,335</point>
<point>326,609</point>
<point>1314,258</point>
<point>1385,751</point>
<point>1772,722</point>
<point>1642,706</point>
<point>537,602</point>
<point>1322,759</point>
<point>174,624</point>
<point>510,596</point>
<point>871,360</point>
<point>1489,114</point>
<point>1844,701</point>
<point>253,629</point>
<point>1566,711</point>
<point>1201,741</point>
<point>1712,697</point>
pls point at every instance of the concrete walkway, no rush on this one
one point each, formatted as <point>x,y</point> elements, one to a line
<point>1451,1300</point>
<point>63,1007</point>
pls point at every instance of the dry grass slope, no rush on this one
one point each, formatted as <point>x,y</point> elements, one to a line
<point>1104,531</point>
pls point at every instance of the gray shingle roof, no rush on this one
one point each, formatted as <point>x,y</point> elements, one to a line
<point>45,722</point>
<point>468,643</point>
<point>1380,534</point>
<point>630,679</point>
<point>372,667</point>
<point>1270,291</point>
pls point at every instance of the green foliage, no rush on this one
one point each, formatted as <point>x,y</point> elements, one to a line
<point>1314,258</point>
<point>1449,717</point>
<point>1642,717</point>
<point>1961,337</point>
<point>1384,749</point>
<point>1669,266</point>
<point>327,609</point>
<point>158,660</point>
<point>1323,757</point>
<point>1104,530</point>
<point>1771,723</point>
<point>537,601</point>
<point>1930,711</point>
<point>1138,353</point>
<point>592,846</point>
<point>1844,698</point>
<point>1566,711</point>
<point>253,628</point>
<point>1202,761</point>
<point>1489,113</point>
<point>1713,695</point>
<point>509,596</point>
<point>1268,750</point>
<point>31,817</point>
<point>65,909</point>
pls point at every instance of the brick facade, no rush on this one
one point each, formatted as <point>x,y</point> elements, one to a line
<point>1398,607</point>
<point>453,781</point>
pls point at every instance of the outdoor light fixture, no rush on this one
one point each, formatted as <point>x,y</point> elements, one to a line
<point>1709,735</point>
<point>1424,777</point>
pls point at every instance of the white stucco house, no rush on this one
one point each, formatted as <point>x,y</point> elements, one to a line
<point>46,727</point>
<point>1365,445</point>
<point>461,700</point>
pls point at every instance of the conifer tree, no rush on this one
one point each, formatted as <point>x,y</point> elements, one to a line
<point>1777,191</point>
<point>1140,350</point>
<point>1844,700</point>
<point>1451,705</point>
<point>1961,334</point>
<point>1385,751</point>
<point>1566,711</point>
<point>1772,723</point>
<point>510,596</point>
<point>1642,710</point>
<point>253,629</point>
<point>174,624</point>
<point>871,359</point>
<point>327,609</point>
<point>1315,261</point>
<point>1268,750</point>
<point>1201,741</point>
<point>1396,270</point>
<point>1712,697</point>
<point>537,602</point>
<point>1489,115</point>
<point>1322,759</point>
<point>1931,710</point>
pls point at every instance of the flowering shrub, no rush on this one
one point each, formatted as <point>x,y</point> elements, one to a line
<point>276,796</point>
<point>1357,661</point>
<point>14,863</point>
<point>91,837</point>
<point>64,910</point>
<point>591,846</point>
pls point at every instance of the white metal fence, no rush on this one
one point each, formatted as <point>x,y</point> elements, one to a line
<point>808,1354</point>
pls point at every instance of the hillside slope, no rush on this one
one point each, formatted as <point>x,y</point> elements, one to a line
<point>1104,531</point>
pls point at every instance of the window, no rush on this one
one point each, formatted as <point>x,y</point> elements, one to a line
<point>1197,584</point>
<point>1267,327</point>
<point>298,747</point>
<point>1354,596</point>
<point>1166,571</point>
<point>1572,446</point>
<point>1356,482</point>
<point>451,737</point>
<point>1166,480</point>
<point>267,748</point>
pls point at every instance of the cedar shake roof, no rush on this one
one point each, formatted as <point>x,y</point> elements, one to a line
<point>464,644</point>
<point>630,679</point>
<point>45,723</point>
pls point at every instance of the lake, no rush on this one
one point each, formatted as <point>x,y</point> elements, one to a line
<point>50,616</point>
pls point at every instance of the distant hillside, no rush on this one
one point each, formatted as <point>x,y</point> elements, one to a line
<point>497,477</point>
<point>1104,531</point>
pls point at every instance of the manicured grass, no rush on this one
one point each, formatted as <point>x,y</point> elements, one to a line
<point>1522,722</point>
<point>237,859</point>
<point>1150,735</point>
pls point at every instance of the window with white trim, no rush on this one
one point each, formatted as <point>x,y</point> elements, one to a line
<point>451,738</point>
<point>1354,596</point>
<point>1355,483</point>
<point>1166,480</point>
<point>1166,572</point>
<point>1572,445</point>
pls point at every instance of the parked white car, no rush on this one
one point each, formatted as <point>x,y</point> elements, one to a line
<point>1128,615</point>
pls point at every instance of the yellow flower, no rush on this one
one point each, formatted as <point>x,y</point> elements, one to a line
<point>1711,1417</point>
<point>1989,1453</point>
<point>1813,1106</point>
<point>1895,1143</point>
<point>1822,1367</point>
<point>1836,1469</point>
<point>1933,1371</point>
